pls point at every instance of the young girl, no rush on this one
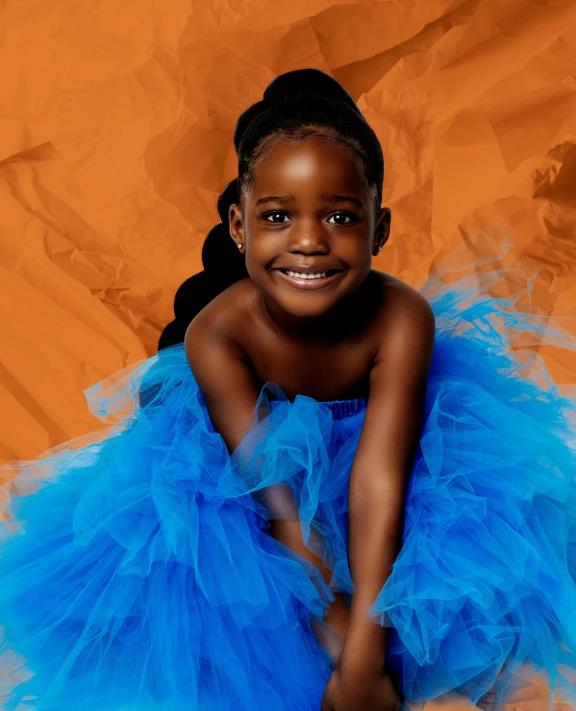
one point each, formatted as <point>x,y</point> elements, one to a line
<point>317,501</point>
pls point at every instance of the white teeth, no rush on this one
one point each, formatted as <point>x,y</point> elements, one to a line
<point>318,275</point>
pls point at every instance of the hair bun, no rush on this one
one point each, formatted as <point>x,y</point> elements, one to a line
<point>307,81</point>
<point>299,82</point>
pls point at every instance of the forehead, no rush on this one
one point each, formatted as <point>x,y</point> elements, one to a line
<point>305,164</point>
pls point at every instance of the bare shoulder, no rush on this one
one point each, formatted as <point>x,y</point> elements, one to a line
<point>401,301</point>
<point>221,320</point>
<point>400,296</point>
<point>405,315</point>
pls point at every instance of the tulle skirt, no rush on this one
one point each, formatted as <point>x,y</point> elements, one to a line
<point>137,572</point>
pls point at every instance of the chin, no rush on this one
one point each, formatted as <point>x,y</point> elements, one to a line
<point>307,306</point>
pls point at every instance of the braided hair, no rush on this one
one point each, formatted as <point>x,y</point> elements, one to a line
<point>295,105</point>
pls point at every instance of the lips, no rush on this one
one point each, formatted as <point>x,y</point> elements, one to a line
<point>308,283</point>
<point>316,269</point>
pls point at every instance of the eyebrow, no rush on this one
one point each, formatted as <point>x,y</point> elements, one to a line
<point>328,198</point>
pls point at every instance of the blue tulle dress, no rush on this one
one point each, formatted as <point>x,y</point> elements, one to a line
<point>137,573</point>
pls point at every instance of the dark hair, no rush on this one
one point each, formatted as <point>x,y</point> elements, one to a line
<point>295,105</point>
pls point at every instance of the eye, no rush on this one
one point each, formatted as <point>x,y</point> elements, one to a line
<point>343,218</point>
<point>275,214</point>
<point>350,215</point>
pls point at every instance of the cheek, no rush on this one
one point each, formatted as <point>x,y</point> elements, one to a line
<point>262,244</point>
<point>357,246</point>
<point>254,233</point>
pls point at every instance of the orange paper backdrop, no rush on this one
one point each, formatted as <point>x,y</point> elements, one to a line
<point>116,122</point>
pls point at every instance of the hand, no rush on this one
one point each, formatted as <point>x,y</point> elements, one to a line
<point>370,691</point>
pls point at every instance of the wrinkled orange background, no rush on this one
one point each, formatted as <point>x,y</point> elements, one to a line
<point>116,123</point>
<point>116,126</point>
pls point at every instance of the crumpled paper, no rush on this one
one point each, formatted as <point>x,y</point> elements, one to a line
<point>116,123</point>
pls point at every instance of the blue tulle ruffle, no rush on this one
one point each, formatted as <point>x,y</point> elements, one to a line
<point>137,574</point>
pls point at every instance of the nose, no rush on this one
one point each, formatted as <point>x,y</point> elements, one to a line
<point>309,238</point>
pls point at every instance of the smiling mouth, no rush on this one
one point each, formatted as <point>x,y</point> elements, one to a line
<point>311,281</point>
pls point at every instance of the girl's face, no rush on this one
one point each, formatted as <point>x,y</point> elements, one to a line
<point>308,207</point>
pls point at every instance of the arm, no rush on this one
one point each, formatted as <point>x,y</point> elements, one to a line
<point>387,445</point>
<point>230,389</point>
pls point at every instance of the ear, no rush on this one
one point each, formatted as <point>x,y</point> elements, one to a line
<point>382,229</point>
<point>236,226</point>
